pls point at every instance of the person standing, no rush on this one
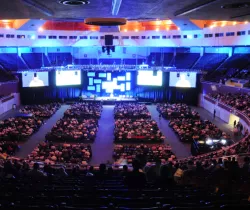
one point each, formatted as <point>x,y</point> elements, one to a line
<point>160,115</point>
<point>235,123</point>
<point>214,113</point>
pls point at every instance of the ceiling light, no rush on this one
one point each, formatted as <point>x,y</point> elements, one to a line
<point>157,29</point>
<point>73,2</point>
<point>246,22</point>
<point>5,21</point>
<point>7,27</point>
<point>40,29</point>
<point>234,23</point>
<point>167,28</point>
<point>136,30</point>
<point>125,30</point>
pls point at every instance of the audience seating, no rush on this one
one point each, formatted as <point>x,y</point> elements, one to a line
<point>210,61</point>
<point>168,57</point>
<point>85,61</point>
<point>79,124</point>
<point>35,60</point>
<point>60,59</point>
<point>238,101</point>
<point>236,61</point>
<point>11,62</point>
<point>41,111</point>
<point>125,154</point>
<point>18,129</point>
<point>187,124</point>
<point>184,60</point>
<point>61,153</point>
<point>5,76</point>
<point>133,123</point>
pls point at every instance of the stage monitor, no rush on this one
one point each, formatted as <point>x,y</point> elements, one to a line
<point>152,78</point>
<point>35,79</point>
<point>64,77</point>
<point>182,79</point>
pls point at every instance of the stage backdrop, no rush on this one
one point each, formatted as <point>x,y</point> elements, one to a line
<point>110,84</point>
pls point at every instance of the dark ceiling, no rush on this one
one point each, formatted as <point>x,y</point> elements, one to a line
<point>130,9</point>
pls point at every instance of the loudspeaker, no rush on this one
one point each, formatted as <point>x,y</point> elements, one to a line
<point>154,73</point>
<point>108,40</point>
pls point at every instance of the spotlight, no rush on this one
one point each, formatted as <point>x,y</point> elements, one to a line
<point>40,29</point>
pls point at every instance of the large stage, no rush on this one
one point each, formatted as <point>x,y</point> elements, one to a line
<point>109,100</point>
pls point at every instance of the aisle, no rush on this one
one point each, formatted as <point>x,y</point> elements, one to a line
<point>180,149</point>
<point>206,115</point>
<point>39,136</point>
<point>103,146</point>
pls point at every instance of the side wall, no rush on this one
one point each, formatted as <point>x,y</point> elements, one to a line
<point>8,105</point>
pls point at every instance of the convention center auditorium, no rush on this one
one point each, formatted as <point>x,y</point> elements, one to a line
<point>124,105</point>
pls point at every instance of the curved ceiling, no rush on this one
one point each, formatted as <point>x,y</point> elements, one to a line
<point>130,9</point>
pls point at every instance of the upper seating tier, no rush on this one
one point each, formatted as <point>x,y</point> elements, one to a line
<point>35,60</point>
<point>60,59</point>
<point>210,61</point>
<point>11,61</point>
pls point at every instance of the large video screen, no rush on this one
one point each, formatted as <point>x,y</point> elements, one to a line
<point>183,79</point>
<point>68,77</point>
<point>153,78</point>
<point>117,83</point>
<point>35,79</point>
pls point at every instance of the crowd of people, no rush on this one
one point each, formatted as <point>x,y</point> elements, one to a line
<point>131,111</point>
<point>79,124</point>
<point>189,129</point>
<point>172,111</point>
<point>145,153</point>
<point>41,111</point>
<point>84,110</point>
<point>133,123</point>
<point>51,153</point>
<point>73,130</point>
<point>19,128</point>
<point>240,101</point>
<point>8,148</point>
<point>137,130</point>
<point>186,123</point>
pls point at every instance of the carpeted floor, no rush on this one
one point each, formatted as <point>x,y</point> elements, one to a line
<point>180,149</point>
<point>103,146</point>
<point>39,136</point>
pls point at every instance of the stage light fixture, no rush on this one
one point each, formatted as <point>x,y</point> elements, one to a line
<point>108,50</point>
<point>103,49</point>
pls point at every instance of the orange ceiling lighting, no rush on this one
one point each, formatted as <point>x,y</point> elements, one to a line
<point>158,25</point>
<point>69,26</point>
<point>6,24</point>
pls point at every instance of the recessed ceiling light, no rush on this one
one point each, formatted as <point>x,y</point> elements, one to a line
<point>74,2</point>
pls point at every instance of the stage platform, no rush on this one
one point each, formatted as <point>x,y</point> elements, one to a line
<point>109,100</point>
